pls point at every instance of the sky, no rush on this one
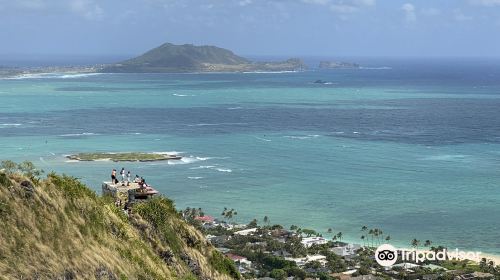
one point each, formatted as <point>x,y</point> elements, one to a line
<point>253,27</point>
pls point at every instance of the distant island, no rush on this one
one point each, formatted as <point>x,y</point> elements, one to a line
<point>170,58</point>
<point>338,65</point>
<point>167,58</point>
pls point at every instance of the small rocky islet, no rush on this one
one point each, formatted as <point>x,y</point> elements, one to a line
<point>121,157</point>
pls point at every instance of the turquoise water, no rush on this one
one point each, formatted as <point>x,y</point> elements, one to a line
<point>412,150</point>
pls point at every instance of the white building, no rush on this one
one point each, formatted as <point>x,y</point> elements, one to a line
<point>302,261</point>
<point>348,250</point>
<point>309,241</point>
<point>246,231</point>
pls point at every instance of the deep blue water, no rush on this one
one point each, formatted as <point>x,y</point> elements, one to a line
<point>409,146</point>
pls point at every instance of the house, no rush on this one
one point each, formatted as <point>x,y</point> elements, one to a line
<point>223,250</point>
<point>205,219</point>
<point>365,277</point>
<point>239,260</point>
<point>350,272</point>
<point>302,261</point>
<point>340,276</point>
<point>281,233</point>
<point>282,253</point>
<point>309,241</point>
<point>218,241</point>
<point>406,266</point>
<point>246,232</point>
<point>347,250</point>
<point>434,267</point>
<point>475,275</point>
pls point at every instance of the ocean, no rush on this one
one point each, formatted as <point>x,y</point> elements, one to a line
<point>408,146</point>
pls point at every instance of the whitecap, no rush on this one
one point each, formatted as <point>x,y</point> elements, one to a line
<point>79,75</point>
<point>224,170</point>
<point>78,134</point>
<point>302,137</point>
<point>297,137</point>
<point>450,157</point>
<point>376,68</point>
<point>51,76</point>
<point>263,139</point>
<point>269,72</point>
<point>195,178</point>
<point>167,153</point>
<point>184,160</point>
<point>180,95</point>
<point>203,158</point>
<point>215,124</point>
<point>203,167</point>
<point>10,124</point>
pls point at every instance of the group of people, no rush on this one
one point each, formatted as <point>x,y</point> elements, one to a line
<point>126,178</point>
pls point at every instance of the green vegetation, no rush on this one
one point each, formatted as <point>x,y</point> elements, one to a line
<point>224,265</point>
<point>189,58</point>
<point>116,157</point>
<point>57,228</point>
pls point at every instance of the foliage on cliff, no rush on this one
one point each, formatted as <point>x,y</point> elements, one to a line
<point>57,228</point>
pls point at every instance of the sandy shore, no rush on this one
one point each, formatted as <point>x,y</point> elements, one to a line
<point>495,258</point>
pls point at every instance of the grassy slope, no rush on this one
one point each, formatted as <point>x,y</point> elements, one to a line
<point>63,229</point>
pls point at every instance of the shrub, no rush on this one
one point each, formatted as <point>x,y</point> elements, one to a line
<point>4,180</point>
<point>278,274</point>
<point>223,265</point>
<point>30,170</point>
<point>8,166</point>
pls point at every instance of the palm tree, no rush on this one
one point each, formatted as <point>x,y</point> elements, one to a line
<point>364,228</point>
<point>371,232</point>
<point>293,227</point>
<point>427,243</point>
<point>229,214</point>
<point>388,238</point>
<point>339,236</point>
<point>376,233</point>
<point>330,230</point>
<point>415,242</point>
<point>363,238</point>
<point>380,233</point>
<point>266,220</point>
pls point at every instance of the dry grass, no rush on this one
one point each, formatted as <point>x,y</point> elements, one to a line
<point>64,230</point>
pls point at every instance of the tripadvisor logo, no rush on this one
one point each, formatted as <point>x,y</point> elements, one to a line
<point>387,255</point>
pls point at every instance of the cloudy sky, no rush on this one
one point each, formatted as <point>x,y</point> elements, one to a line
<point>253,27</point>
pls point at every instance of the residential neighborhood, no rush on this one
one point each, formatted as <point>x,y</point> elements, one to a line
<point>273,252</point>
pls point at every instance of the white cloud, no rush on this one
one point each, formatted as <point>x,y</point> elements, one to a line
<point>31,4</point>
<point>318,2</point>
<point>485,3</point>
<point>460,16</point>
<point>431,12</point>
<point>245,2</point>
<point>343,6</point>
<point>409,11</point>
<point>87,9</point>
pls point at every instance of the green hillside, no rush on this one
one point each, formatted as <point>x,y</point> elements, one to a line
<point>57,228</point>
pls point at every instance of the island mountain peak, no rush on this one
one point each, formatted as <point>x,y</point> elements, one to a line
<point>171,58</point>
